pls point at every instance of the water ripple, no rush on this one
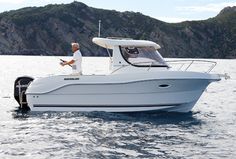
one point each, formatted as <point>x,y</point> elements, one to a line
<point>207,132</point>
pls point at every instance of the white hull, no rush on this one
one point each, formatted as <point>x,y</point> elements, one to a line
<point>124,95</point>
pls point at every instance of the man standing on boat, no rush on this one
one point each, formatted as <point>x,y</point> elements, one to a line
<point>75,63</point>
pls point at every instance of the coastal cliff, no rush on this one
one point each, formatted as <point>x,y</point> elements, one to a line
<point>49,30</point>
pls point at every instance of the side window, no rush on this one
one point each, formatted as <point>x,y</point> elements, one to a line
<point>130,52</point>
<point>142,56</point>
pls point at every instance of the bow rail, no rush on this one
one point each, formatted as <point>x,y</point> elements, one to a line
<point>185,65</point>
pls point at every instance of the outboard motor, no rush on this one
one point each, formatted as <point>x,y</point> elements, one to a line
<point>20,86</point>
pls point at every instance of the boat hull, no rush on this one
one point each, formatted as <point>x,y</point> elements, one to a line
<point>177,95</point>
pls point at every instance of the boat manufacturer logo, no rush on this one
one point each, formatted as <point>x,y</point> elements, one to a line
<point>71,78</point>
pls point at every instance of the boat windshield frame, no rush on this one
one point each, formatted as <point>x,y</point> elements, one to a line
<point>149,64</point>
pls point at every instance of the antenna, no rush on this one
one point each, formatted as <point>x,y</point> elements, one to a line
<point>99,28</point>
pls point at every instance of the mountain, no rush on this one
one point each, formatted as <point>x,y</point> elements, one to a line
<point>49,30</point>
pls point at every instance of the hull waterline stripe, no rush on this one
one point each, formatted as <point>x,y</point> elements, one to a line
<point>103,106</point>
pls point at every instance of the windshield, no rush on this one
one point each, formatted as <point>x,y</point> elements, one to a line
<point>142,56</point>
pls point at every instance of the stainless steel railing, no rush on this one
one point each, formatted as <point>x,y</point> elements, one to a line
<point>185,65</point>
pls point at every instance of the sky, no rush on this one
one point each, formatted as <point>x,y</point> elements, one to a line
<point>166,10</point>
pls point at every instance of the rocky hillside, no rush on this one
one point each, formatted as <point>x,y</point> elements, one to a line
<point>49,30</point>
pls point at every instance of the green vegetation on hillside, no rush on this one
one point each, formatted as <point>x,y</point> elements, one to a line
<point>49,30</point>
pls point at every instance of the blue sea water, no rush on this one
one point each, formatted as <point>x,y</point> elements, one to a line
<point>209,131</point>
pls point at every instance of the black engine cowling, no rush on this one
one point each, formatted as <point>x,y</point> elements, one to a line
<point>20,86</point>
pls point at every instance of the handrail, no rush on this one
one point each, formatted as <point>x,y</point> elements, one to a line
<point>188,64</point>
<point>192,62</point>
<point>122,66</point>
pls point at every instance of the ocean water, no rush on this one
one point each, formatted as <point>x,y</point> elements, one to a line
<point>209,131</point>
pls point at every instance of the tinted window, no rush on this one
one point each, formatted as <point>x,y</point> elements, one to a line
<point>142,56</point>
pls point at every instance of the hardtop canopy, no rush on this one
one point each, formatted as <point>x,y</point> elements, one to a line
<point>109,43</point>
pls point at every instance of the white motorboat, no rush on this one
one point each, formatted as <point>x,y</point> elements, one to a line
<point>139,80</point>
